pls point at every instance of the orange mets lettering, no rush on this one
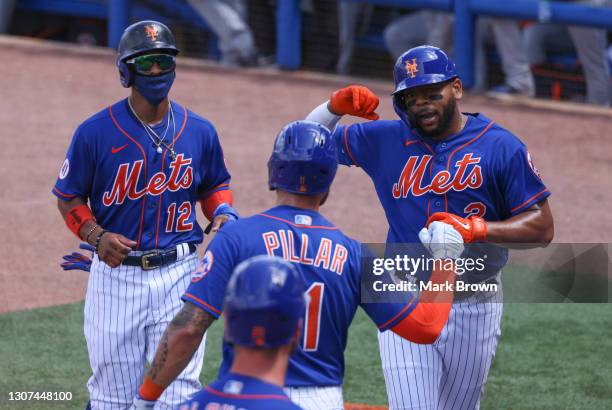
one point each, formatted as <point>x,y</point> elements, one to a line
<point>271,241</point>
<point>126,181</point>
<point>412,68</point>
<point>339,258</point>
<point>292,257</point>
<point>303,258</point>
<point>327,255</point>
<point>323,253</point>
<point>284,245</point>
<point>411,178</point>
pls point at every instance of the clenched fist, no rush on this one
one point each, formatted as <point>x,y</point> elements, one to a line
<point>442,240</point>
<point>354,100</point>
<point>114,248</point>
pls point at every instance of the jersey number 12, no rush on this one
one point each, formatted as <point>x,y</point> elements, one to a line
<point>184,212</point>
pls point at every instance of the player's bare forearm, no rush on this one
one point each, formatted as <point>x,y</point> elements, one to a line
<point>531,228</point>
<point>65,206</point>
<point>112,248</point>
<point>179,343</point>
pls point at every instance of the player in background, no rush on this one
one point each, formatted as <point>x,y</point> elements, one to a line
<point>129,187</point>
<point>264,309</point>
<point>301,170</point>
<point>437,163</point>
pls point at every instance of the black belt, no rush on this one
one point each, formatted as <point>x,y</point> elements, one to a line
<point>155,258</point>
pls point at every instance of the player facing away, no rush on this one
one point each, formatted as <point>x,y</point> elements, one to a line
<point>437,163</point>
<point>129,187</point>
<point>264,308</point>
<point>301,170</point>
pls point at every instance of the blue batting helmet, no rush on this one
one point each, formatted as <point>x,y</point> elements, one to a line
<point>304,159</point>
<point>418,66</point>
<point>142,38</point>
<point>264,303</point>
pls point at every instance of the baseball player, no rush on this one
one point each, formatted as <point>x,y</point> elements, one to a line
<point>264,309</point>
<point>128,187</point>
<point>438,164</point>
<point>301,169</point>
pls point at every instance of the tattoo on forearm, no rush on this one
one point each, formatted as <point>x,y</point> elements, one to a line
<point>159,362</point>
<point>189,316</point>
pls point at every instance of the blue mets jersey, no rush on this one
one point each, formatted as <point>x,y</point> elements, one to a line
<point>133,189</point>
<point>330,264</point>
<point>238,392</point>
<point>483,170</point>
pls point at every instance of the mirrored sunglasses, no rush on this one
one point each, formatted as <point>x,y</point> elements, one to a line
<point>144,64</point>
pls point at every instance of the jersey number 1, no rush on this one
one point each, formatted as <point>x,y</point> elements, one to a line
<point>313,316</point>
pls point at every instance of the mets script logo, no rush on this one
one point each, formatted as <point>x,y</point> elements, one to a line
<point>412,68</point>
<point>152,32</point>
<point>126,181</point>
<point>468,175</point>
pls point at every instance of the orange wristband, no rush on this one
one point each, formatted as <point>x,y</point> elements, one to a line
<point>76,217</point>
<point>211,202</point>
<point>150,390</point>
<point>479,227</point>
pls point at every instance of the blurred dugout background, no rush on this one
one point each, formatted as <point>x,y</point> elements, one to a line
<point>337,37</point>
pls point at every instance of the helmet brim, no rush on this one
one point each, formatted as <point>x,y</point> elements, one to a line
<point>421,81</point>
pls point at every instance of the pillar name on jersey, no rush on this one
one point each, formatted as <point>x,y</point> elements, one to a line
<point>283,243</point>
<point>126,181</point>
<point>467,175</point>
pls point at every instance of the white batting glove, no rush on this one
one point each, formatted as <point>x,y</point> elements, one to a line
<point>442,240</point>
<point>142,404</point>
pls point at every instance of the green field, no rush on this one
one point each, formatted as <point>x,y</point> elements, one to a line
<point>551,356</point>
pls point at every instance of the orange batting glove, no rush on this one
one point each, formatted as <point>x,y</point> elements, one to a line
<point>354,100</point>
<point>472,229</point>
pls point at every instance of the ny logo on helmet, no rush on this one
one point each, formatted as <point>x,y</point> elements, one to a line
<point>152,32</point>
<point>412,68</point>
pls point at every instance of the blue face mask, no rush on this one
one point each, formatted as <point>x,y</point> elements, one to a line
<point>154,88</point>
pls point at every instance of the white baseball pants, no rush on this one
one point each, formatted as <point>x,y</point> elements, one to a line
<point>451,373</point>
<point>127,310</point>
<point>317,398</point>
